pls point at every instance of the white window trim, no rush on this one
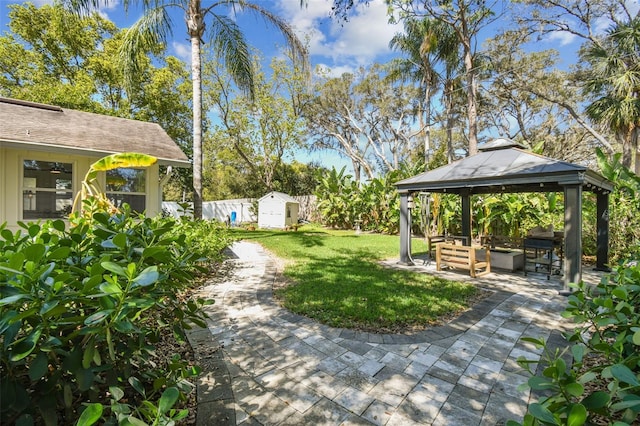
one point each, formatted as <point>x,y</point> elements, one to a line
<point>103,179</point>
<point>23,188</point>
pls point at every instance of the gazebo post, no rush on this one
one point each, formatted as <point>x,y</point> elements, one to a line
<point>572,235</point>
<point>466,215</point>
<point>405,229</point>
<point>602,241</point>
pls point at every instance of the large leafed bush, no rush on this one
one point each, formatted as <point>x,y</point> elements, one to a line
<point>83,309</point>
<point>595,378</point>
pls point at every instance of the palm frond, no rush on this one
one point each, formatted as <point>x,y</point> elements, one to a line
<point>90,187</point>
<point>123,159</point>
<point>88,6</point>
<point>230,45</point>
<point>153,28</point>
<point>81,6</point>
<point>299,53</point>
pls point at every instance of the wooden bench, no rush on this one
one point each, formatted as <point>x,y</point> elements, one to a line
<point>433,240</point>
<point>463,257</point>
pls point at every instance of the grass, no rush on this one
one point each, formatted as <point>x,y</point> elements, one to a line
<point>337,281</point>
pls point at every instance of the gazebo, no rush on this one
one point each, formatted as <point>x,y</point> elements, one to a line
<point>505,166</point>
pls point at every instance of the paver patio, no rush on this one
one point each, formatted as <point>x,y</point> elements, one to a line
<point>278,368</point>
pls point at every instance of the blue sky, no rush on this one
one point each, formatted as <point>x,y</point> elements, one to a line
<point>342,47</point>
<point>337,46</point>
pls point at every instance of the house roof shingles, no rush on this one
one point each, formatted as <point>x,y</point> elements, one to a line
<point>50,128</point>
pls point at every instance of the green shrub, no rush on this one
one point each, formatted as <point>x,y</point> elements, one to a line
<point>603,378</point>
<point>208,238</point>
<point>81,313</point>
<point>375,205</point>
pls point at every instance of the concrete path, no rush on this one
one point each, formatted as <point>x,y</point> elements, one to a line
<point>277,368</point>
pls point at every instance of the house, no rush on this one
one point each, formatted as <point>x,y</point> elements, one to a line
<point>45,152</point>
<point>277,210</point>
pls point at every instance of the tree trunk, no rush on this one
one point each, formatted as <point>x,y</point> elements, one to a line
<point>356,170</point>
<point>195,27</point>
<point>449,114</point>
<point>624,140</point>
<point>196,76</point>
<point>427,128</point>
<point>472,112</point>
<point>635,154</point>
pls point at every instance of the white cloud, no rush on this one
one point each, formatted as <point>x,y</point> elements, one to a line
<point>366,35</point>
<point>107,6</point>
<point>333,71</point>
<point>182,51</point>
<point>360,41</point>
<point>38,3</point>
<point>562,38</point>
<point>103,9</point>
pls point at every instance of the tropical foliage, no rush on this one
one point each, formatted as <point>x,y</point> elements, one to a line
<point>512,215</point>
<point>613,82</point>
<point>82,310</point>
<point>624,208</point>
<point>91,190</point>
<point>596,378</point>
<point>374,206</point>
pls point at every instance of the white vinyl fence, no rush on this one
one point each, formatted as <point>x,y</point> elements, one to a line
<point>238,211</point>
<point>241,207</point>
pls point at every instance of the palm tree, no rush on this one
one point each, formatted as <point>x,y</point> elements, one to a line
<point>419,41</point>
<point>449,47</point>
<point>227,40</point>
<point>427,42</point>
<point>614,80</point>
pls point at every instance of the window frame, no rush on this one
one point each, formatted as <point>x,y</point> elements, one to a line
<point>144,194</point>
<point>24,190</point>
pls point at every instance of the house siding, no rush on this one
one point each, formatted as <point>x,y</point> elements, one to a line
<point>11,184</point>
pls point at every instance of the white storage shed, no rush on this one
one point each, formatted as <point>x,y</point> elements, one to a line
<point>277,210</point>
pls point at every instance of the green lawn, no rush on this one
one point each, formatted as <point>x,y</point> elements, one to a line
<point>337,281</point>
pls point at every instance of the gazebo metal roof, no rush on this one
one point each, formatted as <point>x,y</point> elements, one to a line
<point>505,168</point>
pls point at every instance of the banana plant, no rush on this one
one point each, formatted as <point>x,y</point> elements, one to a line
<point>91,188</point>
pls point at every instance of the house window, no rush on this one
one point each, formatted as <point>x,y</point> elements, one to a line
<point>127,186</point>
<point>47,189</point>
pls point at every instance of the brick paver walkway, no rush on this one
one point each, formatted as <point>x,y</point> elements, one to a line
<point>277,368</point>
